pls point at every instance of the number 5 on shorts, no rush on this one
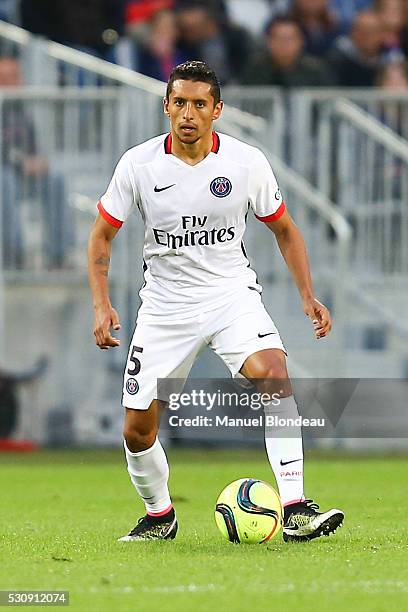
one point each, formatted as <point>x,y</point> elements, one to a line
<point>133,371</point>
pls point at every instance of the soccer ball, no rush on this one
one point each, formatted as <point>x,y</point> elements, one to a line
<point>249,510</point>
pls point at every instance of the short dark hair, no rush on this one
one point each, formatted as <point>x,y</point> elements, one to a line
<point>281,19</point>
<point>195,71</point>
<point>210,7</point>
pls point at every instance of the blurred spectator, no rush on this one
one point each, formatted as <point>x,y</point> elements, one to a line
<point>159,55</point>
<point>356,59</point>
<point>137,13</point>
<point>89,25</point>
<point>318,24</point>
<point>217,6</point>
<point>404,34</point>
<point>207,37</point>
<point>283,63</point>
<point>392,22</point>
<point>25,174</point>
<point>347,9</point>
<point>152,50</point>
<point>254,13</point>
<point>393,76</point>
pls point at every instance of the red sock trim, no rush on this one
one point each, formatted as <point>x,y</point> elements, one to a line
<point>162,512</point>
<point>293,501</point>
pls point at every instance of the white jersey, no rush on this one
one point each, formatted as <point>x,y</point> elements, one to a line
<point>194,216</point>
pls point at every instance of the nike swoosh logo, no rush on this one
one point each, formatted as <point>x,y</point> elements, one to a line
<point>287,462</point>
<point>159,189</point>
<point>268,334</point>
<point>291,527</point>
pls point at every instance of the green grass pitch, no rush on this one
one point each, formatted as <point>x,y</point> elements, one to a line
<point>61,513</point>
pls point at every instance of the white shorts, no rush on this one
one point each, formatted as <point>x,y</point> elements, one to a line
<point>166,347</point>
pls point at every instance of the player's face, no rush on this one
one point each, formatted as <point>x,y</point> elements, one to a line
<point>191,110</point>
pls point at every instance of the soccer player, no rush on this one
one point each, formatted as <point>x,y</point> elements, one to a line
<point>193,188</point>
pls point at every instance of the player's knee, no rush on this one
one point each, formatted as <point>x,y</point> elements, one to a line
<point>271,370</point>
<point>138,440</point>
<point>276,371</point>
<point>272,377</point>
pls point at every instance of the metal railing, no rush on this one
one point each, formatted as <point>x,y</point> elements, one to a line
<point>291,115</point>
<point>357,160</point>
<point>55,143</point>
<point>365,169</point>
<point>294,116</point>
<point>390,108</point>
<point>267,103</point>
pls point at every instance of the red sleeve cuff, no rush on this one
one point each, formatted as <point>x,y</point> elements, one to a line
<point>111,220</point>
<point>276,215</point>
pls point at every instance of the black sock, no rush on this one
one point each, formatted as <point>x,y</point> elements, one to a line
<point>164,518</point>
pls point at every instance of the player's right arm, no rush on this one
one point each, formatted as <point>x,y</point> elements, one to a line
<point>99,252</point>
<point>114,207</point>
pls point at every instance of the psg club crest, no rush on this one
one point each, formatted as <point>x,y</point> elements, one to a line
<point>132,386</point>
<point>221,187</point>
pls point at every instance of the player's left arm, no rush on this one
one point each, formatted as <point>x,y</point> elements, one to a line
<point>293,249</point>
